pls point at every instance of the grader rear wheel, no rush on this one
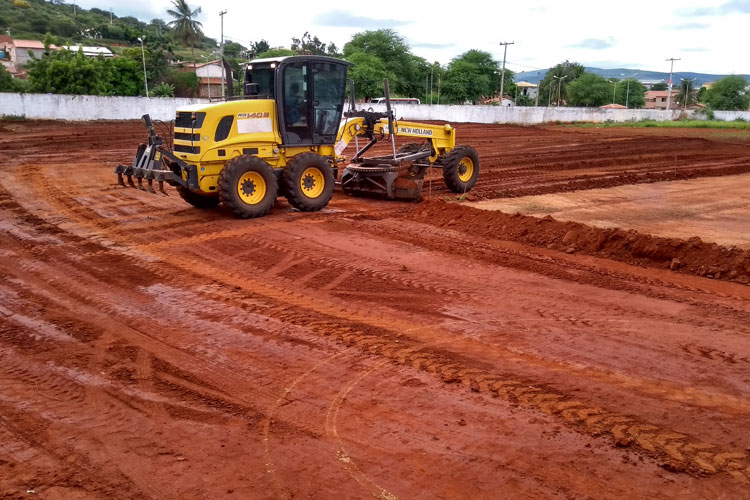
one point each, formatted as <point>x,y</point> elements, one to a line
<point>247,185</point>
<point>308,182</point>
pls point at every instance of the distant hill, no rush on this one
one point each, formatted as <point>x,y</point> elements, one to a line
<point>656,76</point>
<point>71,24</point>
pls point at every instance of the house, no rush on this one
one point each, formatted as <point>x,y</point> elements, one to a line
<point>613,106</point>
<point>497,101</point>
<point>14,53</point>
<point>210,75</point>
<point>91,51</point>
<point>527,89</point>
<point>657,99</point>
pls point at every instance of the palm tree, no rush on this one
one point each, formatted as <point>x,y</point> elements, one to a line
<point>186,28</point>
<point>687,94</point>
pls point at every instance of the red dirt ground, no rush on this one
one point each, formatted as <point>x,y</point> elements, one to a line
<point>376,349</point>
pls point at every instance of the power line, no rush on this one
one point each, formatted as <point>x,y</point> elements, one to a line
<point>526,66</point>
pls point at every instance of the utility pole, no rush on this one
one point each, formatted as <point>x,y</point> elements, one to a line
<point>614,92</point>
<point>221,51</point>
<point>559,88</point>
<point>438,90</point>
<point>502,74</point>
<point>627,92</point>
<point>143,54</point>
<point>538,88</point>
<point>432,75</point>
<point>110,17</point>
<point>669,87</point>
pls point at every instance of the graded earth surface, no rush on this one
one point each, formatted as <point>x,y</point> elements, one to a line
<point>376,349</point>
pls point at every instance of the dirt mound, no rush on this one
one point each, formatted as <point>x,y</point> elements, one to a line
<point>692,256</point>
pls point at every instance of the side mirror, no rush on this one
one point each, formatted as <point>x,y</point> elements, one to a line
<point>252,89</point>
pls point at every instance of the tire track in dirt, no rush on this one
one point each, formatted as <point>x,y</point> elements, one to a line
<point>680,451</point>
<point>453,373</point>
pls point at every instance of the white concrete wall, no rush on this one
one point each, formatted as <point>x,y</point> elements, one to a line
<point>86,107</point>
<point>730,116</point>
<point>81,108</point>
<point>523,114</point>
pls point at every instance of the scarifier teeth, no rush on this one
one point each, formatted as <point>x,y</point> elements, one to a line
<point>130,181</point>
<point>140,184</point>
<point>161,188</point>
<point>119,180</point>
<point>150,186</point>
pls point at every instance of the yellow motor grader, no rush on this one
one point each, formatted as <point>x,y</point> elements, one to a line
<point>285,136</point>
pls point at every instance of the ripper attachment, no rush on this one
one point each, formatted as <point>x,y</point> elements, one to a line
<point>154,162</point>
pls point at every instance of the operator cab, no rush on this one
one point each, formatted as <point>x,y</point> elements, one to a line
<point>309,92</point>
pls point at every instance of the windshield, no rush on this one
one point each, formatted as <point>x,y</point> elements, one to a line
<point>264,78</point>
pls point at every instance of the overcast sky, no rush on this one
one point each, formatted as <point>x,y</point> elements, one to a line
<point>708,36</point>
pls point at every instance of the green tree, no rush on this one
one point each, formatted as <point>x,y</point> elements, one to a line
<point>8,83</point>
<point>660,86</point>
<point>309,44</point>
<point>408,70</point>
<point>556,81</point>
<point>185,83</point>
<point>589,90</point>
<point>62,26</point>
<point>631,93</point>
<point>687,94</point>
<point>65,72</point>
<point>368,74</point>
<point>470,76</point>
<point>729,93</point>
<point>124,76</point>
<point>701,96</point>
<point>258,48</point>
<point>279,52</point>
<point>186,29</point>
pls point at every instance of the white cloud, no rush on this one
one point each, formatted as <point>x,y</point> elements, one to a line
<point>545,32</point>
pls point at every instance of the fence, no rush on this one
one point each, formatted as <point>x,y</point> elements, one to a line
<point>87,107</point>
<point>83,108</point>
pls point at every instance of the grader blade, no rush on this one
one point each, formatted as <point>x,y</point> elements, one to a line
<point>401,182</point>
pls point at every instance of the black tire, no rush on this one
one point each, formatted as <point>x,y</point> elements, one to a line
<point>456,164</point>
<point>197,200</point>
<point>252,177</point>
<point>308,182</point>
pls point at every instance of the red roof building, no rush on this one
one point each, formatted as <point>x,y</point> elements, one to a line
<point>657,99</point>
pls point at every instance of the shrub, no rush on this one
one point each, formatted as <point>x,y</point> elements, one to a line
<point>164,89</point>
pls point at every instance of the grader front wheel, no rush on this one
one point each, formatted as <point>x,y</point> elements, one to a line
<point>461,169</point>
<point>308,182</point>
<point>247,185</point>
